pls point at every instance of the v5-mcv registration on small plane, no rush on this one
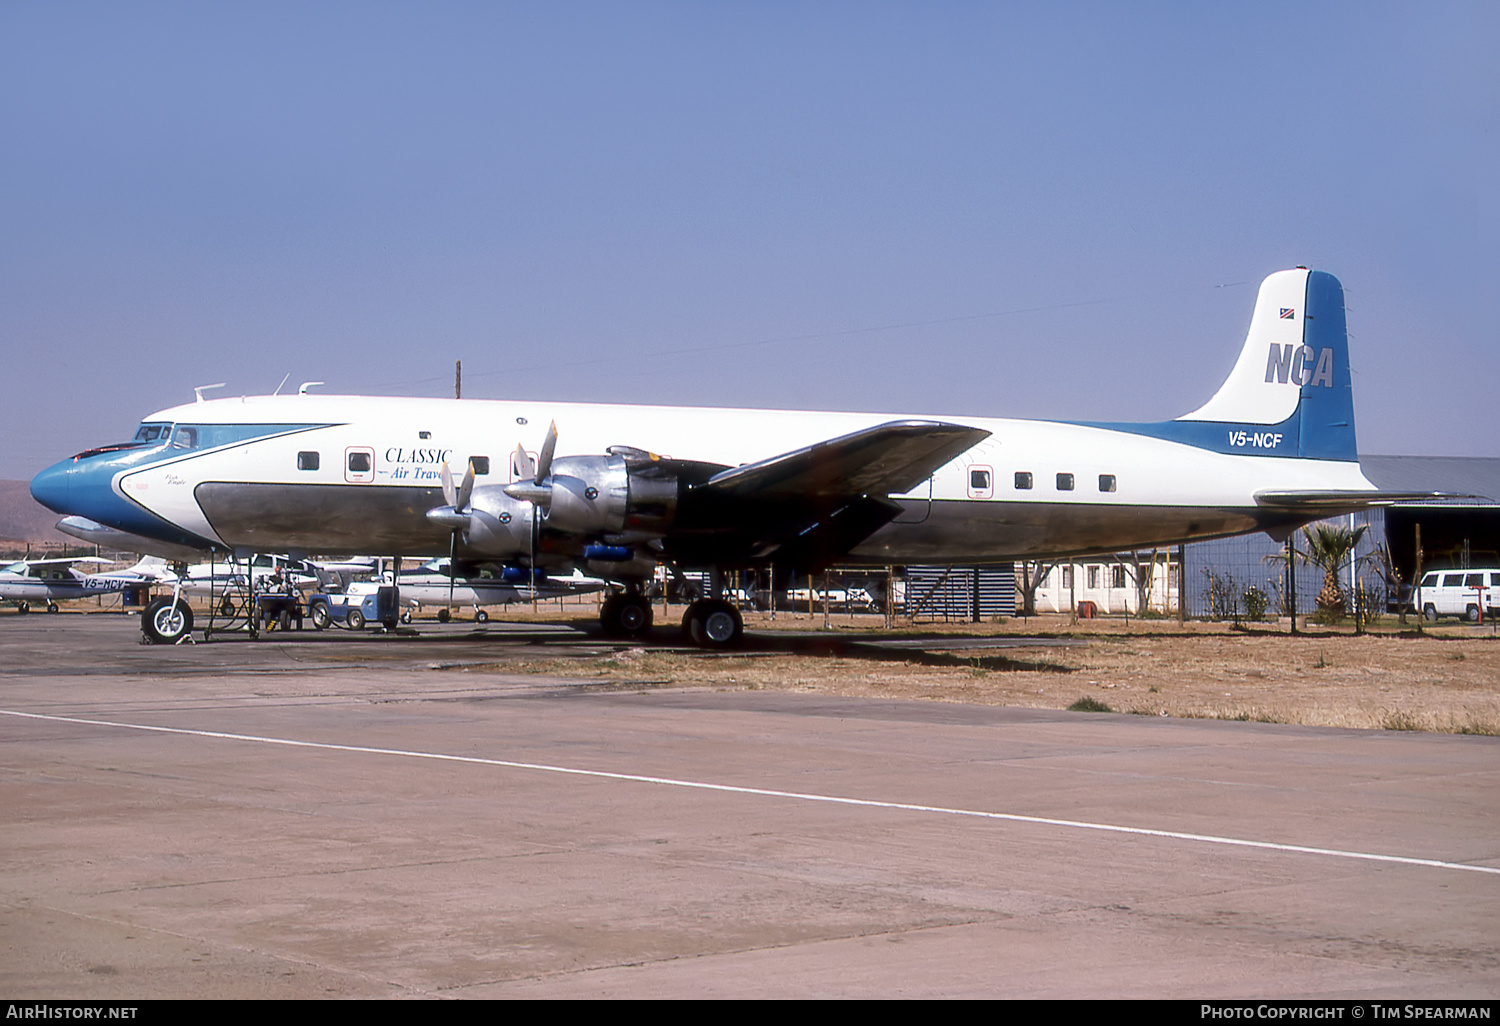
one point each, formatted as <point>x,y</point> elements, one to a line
<point>725,489</point>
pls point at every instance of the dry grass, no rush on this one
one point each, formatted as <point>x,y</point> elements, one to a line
<point>1446,680</point>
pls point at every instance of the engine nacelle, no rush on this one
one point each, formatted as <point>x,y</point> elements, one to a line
<point>498,524</point>
<point>599,495</point>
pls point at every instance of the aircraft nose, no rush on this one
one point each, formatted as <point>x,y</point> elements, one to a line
<point>53,487</point>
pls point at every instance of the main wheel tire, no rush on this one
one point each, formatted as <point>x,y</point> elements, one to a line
<point>444,615</point>
<point>480,616</point>
<point>51,607</point>
<point>1429,612</point>
<point>164,623</point>
<point>406,616</point>
<point>319,613</point>
<point>714,623</point>
<point>1471,614</point>
<point>284,621</point>
<point>22,608</point>
<point>626,616</point>
<point>355,620</point>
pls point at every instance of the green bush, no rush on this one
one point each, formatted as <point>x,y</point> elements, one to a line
<point>1087,704</point>
<point>1255,604</point>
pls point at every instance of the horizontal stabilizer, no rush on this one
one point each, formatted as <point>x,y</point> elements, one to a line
<point>888,459</point>
<point>1318,505</point>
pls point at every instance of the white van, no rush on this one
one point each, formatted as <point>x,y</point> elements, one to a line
<point>1459,593</point>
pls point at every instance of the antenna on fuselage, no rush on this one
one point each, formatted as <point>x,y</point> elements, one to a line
<point>302,388</point>
<point>283,381</point>
<point>198,390</point>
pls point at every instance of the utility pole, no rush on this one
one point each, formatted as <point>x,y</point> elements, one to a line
<point>1417,582</point>
<point>1182,584</point>
<point>1291,578</point>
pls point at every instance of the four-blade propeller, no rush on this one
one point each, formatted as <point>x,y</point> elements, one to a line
<point>455,516</point>
<point>538,489</point>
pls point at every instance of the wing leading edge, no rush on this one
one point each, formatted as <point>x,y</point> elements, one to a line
<point>888,459</point>
<point>809,507</point>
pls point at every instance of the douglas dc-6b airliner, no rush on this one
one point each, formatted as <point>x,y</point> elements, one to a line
<point>724,489</point>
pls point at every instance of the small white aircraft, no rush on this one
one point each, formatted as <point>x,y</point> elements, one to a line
<point>721,489</point>
<point>479,584</point>
<point>28,581</point>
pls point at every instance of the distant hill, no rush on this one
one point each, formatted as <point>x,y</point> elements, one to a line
<point>25,521</point>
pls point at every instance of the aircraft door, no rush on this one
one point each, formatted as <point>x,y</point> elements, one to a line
<point>981,481</point>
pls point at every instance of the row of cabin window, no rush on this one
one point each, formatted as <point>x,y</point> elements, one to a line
<point>359,462</point>
<point>979,481</point>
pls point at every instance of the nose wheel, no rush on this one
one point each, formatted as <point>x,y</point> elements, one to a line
<point>165,622</point>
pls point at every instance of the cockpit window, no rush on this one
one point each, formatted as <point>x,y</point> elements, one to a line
<point>153,432</point>
<point>151,435</point>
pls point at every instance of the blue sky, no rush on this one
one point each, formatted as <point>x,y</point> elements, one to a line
<point>1034,210</point>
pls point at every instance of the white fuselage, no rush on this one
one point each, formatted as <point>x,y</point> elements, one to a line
<point>1157,492</point>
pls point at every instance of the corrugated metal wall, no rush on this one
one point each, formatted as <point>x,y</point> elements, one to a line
<point>948,593</point>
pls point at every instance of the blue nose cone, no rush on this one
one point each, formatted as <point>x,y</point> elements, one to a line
<point>53,487</point>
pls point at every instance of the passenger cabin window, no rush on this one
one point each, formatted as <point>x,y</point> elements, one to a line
<point>1065,482</point>
<point>481,464</point>
<point>307,461</point>
<point>515,470</point>
<point>1474,581</point>
<point>359,462</point>
<point>1023,479</point>
<point>1106,482</point>
<point>1453,580</point>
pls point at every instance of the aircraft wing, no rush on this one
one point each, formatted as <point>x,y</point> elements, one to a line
<point>67,560</point>
<point>888,459</point>
<point>1317,505</point>
<point>810,506</point>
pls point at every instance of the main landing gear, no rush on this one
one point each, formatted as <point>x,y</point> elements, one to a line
<point>710,623</point>
<point>626,615</point>
<point>713,623</point>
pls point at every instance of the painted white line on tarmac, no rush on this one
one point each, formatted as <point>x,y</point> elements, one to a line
<point>770,793</point>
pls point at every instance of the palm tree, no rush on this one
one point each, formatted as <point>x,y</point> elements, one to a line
<point>1330,548</point>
